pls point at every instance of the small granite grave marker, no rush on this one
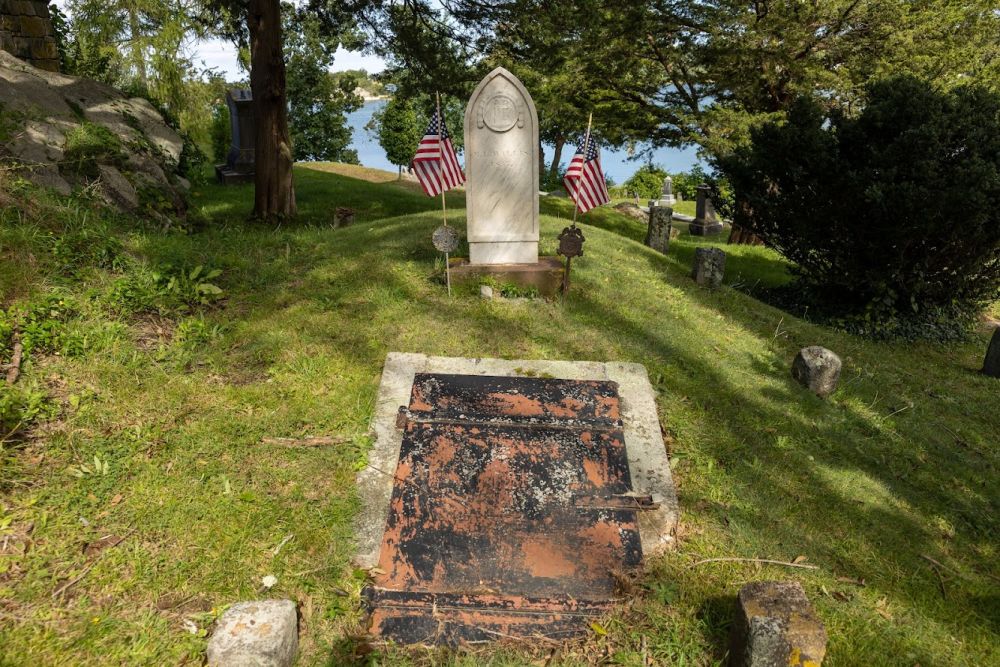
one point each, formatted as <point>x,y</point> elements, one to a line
<point>258,634</point>
<point>817,369</point>
<point>705,223</point>
<point>658,232</point>
<point>776,627</point>
<point>709,267</point>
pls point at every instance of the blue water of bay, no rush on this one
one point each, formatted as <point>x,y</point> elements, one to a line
<point>616,163</point>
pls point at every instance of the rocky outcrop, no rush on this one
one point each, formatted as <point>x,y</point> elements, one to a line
<point>66,131</point>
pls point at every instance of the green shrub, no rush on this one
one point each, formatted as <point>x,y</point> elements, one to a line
<point>89,245</point>
<point>20,406</point>
<point>892,217</point>
<point>193,160</point>
<point>88,145</point>
<point>43,325</point>
<point>647,182</point>
<point>168,290</point>
<point>220,131</point>
<point>685,183</point>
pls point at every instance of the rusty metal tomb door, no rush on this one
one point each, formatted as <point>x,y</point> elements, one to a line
<point>511,511</point>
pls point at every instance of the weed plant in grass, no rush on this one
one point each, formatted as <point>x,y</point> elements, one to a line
<point>897,467</point>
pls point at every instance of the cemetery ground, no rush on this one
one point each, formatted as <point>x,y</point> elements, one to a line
<point>185,452</point>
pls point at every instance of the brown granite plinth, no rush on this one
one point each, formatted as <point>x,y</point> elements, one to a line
<point>545,276</point>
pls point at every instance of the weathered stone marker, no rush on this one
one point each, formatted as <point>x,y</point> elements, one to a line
<point>776,627</point>
<point>709,267</point>
<point>255,634</point>
<point>501,166</point>
<point>667,197</point>
<point>991,366</point>
<point>705,223</point>
<point>241,161</point>
<point>658,232</point>
<point>817,369</point>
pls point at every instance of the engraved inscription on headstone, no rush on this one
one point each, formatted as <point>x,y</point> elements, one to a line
<point>501,165</point>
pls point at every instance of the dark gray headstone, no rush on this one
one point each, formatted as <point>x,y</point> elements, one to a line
<point>709,267</point>
<point>705,223</point>
<point>241,157</point>
<point>241,160</point>
<point>991,366</point>
<point>658,232</point>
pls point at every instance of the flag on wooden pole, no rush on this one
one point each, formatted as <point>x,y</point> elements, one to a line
<point>436,164</point>
<point>584,179</point>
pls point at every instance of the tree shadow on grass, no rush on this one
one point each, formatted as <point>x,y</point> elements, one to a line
<point>786,453</point>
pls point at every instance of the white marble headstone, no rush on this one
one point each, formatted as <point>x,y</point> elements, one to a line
<point>501,168</point>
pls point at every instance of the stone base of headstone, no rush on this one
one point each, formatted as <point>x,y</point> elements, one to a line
<point>546,275</point>
<point>776,627</point>
<point>262,634</point>
<point>709,267</point>
<point>658,232</point>
<point>991,366</point>
<point>703,228</point>
<point>230,177</point>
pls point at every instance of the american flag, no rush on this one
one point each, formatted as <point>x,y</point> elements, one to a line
<point>435,163</point>
<point>584,179</point>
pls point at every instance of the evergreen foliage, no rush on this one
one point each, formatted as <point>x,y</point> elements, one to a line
<point>891,216</point>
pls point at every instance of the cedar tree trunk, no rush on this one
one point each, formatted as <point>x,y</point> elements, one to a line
<point>274,195</point>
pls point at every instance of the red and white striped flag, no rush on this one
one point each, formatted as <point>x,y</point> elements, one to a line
<point>584,179</point>
<point>435,163</point>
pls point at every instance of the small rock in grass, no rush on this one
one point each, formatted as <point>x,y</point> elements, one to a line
<point>817,369</point>
<point>486,291</point>
<point>776,627</point>
<point>991,366</point>
<point>255,634</point>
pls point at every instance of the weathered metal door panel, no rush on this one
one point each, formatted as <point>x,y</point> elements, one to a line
<point>510,510</point>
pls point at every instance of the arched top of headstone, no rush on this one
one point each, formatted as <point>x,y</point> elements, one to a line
<point>499,112</point>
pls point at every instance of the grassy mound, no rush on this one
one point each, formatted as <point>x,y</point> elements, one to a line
<point>163,404</point>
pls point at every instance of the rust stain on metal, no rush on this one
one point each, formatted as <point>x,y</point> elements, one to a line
<point>511,508</point>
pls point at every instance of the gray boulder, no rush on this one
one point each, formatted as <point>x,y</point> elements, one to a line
<point>41,109</point>
<point>116,190</point>
<point>991,366</point>
<point>255,634</point>
<point>776,627</point>
<point>817,369</point>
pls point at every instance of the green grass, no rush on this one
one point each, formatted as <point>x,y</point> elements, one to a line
<point>899,464</point>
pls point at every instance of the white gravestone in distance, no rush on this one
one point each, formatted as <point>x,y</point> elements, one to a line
<point>501,167</point>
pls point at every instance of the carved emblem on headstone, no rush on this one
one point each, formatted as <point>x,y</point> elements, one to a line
<point>500,113</point>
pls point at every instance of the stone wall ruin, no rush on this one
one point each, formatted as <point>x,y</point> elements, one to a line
<point>26,33</point>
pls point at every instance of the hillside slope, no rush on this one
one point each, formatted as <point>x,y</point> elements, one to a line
<point>174,400</point>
